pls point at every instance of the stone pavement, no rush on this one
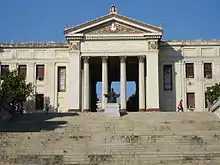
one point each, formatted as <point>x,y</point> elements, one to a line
<point>165,138</point>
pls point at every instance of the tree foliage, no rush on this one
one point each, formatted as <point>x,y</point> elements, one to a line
<point>14,87</point>
<point>213,92</point>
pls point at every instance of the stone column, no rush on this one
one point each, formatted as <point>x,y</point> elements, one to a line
<point>141,83</point>
<point>104,81</point>
<point>86,85</point>
<point>123,81</point>
<point>74,78</point>
<point>82,88</point>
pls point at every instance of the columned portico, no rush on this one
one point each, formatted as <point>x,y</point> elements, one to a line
<point>86,85</point>
<point>123,81</point>
<point>111,37</point>
<point>141,82</point>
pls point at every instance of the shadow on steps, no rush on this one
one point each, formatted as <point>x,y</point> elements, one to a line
<point>34,122</point>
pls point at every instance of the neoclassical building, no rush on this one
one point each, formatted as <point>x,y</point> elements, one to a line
<point>115,48</point>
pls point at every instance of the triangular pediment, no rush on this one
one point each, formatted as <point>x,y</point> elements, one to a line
<point>114,27</point>
<point>113,24</point>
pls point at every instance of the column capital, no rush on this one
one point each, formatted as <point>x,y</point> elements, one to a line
<point>104,58</point>
<point>86,59</point>
<point>122,58</point>
<point>141,58</point>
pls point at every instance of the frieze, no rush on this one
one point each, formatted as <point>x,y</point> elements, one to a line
<point>152,45</point>
<point>115,27</point>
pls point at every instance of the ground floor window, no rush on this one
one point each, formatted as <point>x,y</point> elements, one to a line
<point>190,100</point>
<point>4,70</point>
<point>39,102</point>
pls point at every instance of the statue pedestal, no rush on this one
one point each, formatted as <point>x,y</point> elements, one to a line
<point>112,109</point>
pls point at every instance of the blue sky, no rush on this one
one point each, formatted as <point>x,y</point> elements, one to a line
<point>44,20</point>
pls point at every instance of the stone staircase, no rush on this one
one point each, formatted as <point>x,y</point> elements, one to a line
<point>215,107</point>
<point>165,138</point>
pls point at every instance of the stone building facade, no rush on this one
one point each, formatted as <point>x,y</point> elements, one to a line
<point>116,48</point>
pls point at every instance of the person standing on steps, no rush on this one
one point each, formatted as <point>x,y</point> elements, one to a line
<point>180,106</point>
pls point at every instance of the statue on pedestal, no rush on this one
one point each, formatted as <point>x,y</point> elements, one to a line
<point>112,96</point>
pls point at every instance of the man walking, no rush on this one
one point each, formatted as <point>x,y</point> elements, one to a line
<point>180,106</point>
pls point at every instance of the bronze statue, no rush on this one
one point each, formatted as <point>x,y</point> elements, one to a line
<point>112,96</point>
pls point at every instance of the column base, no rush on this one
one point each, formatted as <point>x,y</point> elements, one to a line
<point>86,110</point>
<point>142,110</point>
<point>74,110</point>
<point>153,110</point>
<point>123,112</point>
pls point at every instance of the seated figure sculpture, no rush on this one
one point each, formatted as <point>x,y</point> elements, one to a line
<point>112,107</point>
<point>112,96</point>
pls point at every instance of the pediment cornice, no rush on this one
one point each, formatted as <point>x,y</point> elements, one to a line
<point>112,24</point>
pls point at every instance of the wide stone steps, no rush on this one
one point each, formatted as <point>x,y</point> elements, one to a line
<point>96,139</point>
<point>168,158</point>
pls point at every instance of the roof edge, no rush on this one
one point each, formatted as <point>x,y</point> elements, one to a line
<point>111,15</point>
<point>32,44</point>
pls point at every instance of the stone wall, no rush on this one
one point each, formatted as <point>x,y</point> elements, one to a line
<point>177,53</point>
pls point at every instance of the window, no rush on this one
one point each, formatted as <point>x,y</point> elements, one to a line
<point>40,72</point>
<point>189,70</point>
<point>167,77</point>
<point>22,69</point>
<point>61,79</point>
<point>190,97</point>
<point>39,101</point>
<point>4,70</point>
<point>208,70</point>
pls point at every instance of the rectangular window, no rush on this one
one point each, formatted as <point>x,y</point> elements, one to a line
<point>189,70</point>
<point>167,77</point>
<point>190,97</point>
<point>22,69</point>
<point>39,101</point>
<point>4,70</point>
<point>208,70</point>
<point>40,72</point>
<point>61,79</point>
